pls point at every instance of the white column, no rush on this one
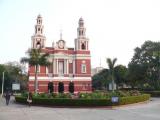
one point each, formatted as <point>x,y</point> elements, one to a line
<point>53,66</point>
<point>64,65</point>
<point>57,66</point>
<point>67,65</point>
<point>73,66</point>
<point>46,70</point>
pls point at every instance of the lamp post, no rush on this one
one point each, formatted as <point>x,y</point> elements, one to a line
<point>2,84</point>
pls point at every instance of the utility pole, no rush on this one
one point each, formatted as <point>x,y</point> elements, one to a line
<point>2,84</point>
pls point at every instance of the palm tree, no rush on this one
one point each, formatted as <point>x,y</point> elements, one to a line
<point>111,65</point>
<point>36,58</point>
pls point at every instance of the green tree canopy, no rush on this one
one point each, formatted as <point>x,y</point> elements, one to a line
<point>120,73</point>
<point>144,67</point>
<point>35,58</point>
<point>13,73</point>
<point>111,65</point>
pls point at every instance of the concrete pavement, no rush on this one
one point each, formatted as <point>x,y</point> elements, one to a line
<point>145,111</point>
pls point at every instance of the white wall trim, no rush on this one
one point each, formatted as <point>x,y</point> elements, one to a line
<point>61,78</point>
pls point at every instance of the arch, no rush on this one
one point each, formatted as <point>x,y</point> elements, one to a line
<point>38,45</point>
<point>50,87</point>
<point>82,33</point>
<point>71,87</point>
<point>60,87</point>
<point>83,46</point>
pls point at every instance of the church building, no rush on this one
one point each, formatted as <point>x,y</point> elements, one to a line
<point>69,66</point>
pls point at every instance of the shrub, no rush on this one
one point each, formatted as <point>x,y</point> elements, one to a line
<point>134,93</point>
<point>72,102</point>
<point>153,93</point>
<point>24,94</point>
<point>43,95</point>
<point>133,99</point>
<point>63,95</point>
<point>21,99</point>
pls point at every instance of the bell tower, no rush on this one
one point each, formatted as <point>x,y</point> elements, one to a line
<point>81,42</point>
<point>38,39</point>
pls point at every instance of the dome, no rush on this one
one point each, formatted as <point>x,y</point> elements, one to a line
<point>81,19</point>
<point>39,16</point>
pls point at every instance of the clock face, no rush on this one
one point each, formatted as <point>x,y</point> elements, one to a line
<point>61,44</point>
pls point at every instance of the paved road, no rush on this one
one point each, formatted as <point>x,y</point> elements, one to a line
<point>145,111</point>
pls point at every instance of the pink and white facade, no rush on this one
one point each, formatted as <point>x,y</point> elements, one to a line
<point>67,64</point>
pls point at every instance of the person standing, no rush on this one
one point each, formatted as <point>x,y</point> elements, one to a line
<point>7,97</point>
<point>29,98</point>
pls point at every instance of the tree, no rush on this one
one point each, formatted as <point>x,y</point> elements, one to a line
<point>101,80</point>
<point>111,65</point>
<point>148,59</point>
<point>36,58</point>
<point>136,75</point>
<point>120,73</point>
<point>12,73</point>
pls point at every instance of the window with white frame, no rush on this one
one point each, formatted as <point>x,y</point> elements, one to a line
<point>83,68</point>
<point>61,68</point>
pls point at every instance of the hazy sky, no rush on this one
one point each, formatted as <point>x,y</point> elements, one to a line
<point>114,27</point>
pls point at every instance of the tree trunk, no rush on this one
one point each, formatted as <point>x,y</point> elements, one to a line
<point>112,84</point>
<point>35,82</point>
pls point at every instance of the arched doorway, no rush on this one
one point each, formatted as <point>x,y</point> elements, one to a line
<point>60,87</point>
<point>83,46</point>
<point>71,87</point>
<point>50,87</point>
<point>38,45</point>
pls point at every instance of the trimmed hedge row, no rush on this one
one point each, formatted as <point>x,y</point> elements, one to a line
<point>83,102</point>
<point>152,93</point>
<point>134,99</point>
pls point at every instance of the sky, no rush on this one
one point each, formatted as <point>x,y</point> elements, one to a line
<point>114,27</point>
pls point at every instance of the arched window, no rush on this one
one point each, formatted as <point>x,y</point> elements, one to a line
<point>60,87</point>
<point>71,87</point>
<point>83,68</point>
<point>38,45</point>
<point>50,87</point>
<point>83,46</point>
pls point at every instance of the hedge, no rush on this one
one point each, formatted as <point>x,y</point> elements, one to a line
<point>83,102</point>
<point>134,99</point>
<point>152,93</point>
